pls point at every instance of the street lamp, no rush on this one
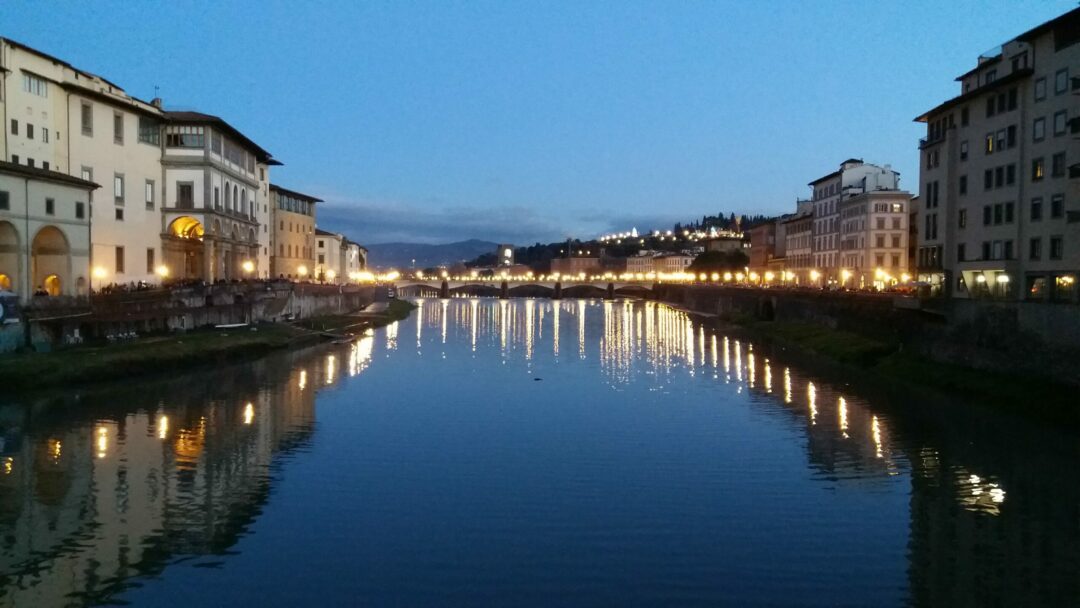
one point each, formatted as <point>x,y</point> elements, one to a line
<point>248,266</point>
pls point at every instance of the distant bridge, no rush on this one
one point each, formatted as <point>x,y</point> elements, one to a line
<point>571,288</point>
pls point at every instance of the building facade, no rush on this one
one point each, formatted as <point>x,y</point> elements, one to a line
<point>798,248</point>
<point>852,178</point>
<point>762,246</point>
<point>292,228</point>
<point>874,239</point>
<point>329,257</point>
<point>44,232</point>
<point>999,187</point>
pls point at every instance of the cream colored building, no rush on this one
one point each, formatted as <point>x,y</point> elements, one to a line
<point>999,186</point>
<point>292,226</point>
<point>874,239</point>
<point>354,259</point>
<point>329,257</point>
<point>799,248</point>
<point>671,263</point>
<point>44,232</point>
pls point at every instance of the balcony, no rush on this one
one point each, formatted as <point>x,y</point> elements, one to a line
<point>926,142</point>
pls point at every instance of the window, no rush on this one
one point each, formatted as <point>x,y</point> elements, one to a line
<point>183,136</point>
<point>1012,98</point>
<point>1035,249</point>
<point>1038,169</point>
<point>87,118</point>
<point>5,201</point>
<point>119,259</point>
<point>149,260</point>
<point>1038,129</point>
<point>29,162</point>
<point>964,118</point>
<point>999,177</point>
<point>1009,249</point>
<point>1057,247</point>
<point>45,165</point>
<point>217,197</point>
<point>1040,89</point>
<point>1036,209</point>
<point>29,131</point>
<point>322,258</point>
<point>963,150</point>
<point>961,218</point>
<point>896,241</point>
<point>118,188</point>
<point>990,106</point>
<point>14,127</point>
<point>987,214</point>
<point>879,241</point>
<point>80,210</point>
<point>961,252</point>
<point>1010,136</point>
<point>1010,212</point>
<point>880,223</point>
<point>1057,165</point>
<point>215,142</point>
<point>1057,206</point>
<point>118,128</point>
<point>88,174</point>
<point>185,195</point>
<point>985,250</point>
<point>35,85</point>
<point>149,132</point>
<point>989,143</point>
<point>997,214</point>
<point>149,193</point>
<point>15,158</point>
<point>1061,82</point>
<point>50,206</point>
<point>44,135</point>
<point>997,250</point>
<point>119,214</point>
<point>1060,122</point>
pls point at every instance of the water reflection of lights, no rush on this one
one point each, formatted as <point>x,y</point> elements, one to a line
<point>473,322</point>
<point>875,429</point>
<point>787,385</point>
<point>331,368</point>
<point>445,304</point>
<point>768,377</point>
<point>55,449</point>
<point>977,494</point>
<point>581,328</point>
<point>555,328</point>
<point>841,410</point>
<point>102,442</point>
<point>360,353</point>
<point>751,369</point>
<point>811,401</point>
<point>9,465</point>
<point>162,426</point>
<point>391,335</point>
<point>249,413</point>
<point>301,383</point>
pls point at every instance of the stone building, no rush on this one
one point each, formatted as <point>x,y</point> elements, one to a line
<point>292,228</point>
<point>999,185</point>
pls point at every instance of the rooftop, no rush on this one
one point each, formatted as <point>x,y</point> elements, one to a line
<point>46,175</point>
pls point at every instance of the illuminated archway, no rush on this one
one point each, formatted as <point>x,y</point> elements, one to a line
<point>52,285</point>
<point>50,259</point>
<point>9,257</point>
<point>186,227</point>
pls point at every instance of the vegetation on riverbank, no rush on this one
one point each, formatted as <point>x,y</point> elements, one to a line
<point>169,353</point>
<point>886,362</point>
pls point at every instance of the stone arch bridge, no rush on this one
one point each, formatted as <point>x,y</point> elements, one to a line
<point>568,288</point>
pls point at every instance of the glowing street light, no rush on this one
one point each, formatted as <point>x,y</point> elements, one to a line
<point>301,270</point>
<point>162,271</point>
<point>248,267</point>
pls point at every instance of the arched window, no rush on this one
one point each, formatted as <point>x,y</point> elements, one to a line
<point>236,199</point>
<point>228,198</point>
<point>243,201</point>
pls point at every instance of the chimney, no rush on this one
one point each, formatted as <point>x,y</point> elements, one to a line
<point>156,102</point>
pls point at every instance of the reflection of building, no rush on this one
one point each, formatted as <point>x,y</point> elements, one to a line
<point>1000,172</point>
<point>44,239</point>
<point>292,224</point>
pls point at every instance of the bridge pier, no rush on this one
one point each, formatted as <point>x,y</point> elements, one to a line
<point>610,291</point>
<point>558,291</point>
<point>504,290</point>
<point>444,290</point>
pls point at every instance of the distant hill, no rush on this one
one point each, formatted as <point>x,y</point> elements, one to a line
<point>401,255</point>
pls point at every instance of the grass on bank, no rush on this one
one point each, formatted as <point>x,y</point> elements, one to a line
<point>885,361</point>
<point>169,353</point>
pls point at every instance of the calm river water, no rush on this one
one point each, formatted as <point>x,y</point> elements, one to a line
<point>531,452</point>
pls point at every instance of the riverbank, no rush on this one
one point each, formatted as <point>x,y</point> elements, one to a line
<point>885,363</point>
<point>85,365</point>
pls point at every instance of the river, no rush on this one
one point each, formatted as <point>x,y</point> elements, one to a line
<point>532,453</point>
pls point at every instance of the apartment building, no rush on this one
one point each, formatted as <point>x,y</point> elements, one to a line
<point>762,246</point>
<point>999,180</point>
<point>354,259</point>
<point>671,263</point>
<point>852,178</point>
<point>798,230</point>
<point>874,238</point>
<point>292,227</point>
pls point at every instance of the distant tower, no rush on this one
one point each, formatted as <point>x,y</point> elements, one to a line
<point>506,255</point>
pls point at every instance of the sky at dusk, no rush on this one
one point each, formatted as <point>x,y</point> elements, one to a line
<point>518,122</point>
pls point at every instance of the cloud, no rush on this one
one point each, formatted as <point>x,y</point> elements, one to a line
<point>369,222</point>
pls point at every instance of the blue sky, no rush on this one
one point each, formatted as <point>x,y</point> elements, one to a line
<point>524,121</point>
